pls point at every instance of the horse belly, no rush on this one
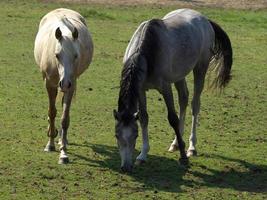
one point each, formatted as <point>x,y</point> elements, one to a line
<point>176,73</point>
<point>179,66</point>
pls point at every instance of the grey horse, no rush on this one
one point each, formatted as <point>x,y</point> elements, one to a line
<point>63,50</point>
<point>162,52</point>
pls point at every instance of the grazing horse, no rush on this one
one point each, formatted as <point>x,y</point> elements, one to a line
<point>162,52</point>
<point>63,50</point>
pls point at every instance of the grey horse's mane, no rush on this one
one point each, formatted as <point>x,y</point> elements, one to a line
<point>134,70</point>
<point>150,41</point>
<point>129,85</point>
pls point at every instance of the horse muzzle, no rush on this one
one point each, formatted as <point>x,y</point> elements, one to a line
<point>65,85</point>
<point>127,168</point>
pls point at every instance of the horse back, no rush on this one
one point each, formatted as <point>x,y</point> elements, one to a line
<point>187,41</point>
<point>189,27</point>
<point>60,13</point>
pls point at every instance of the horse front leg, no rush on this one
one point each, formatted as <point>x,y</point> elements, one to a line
<point>65,121</point>
<point>174,121</point>
<point>52,112</point>
<point>143,118</point>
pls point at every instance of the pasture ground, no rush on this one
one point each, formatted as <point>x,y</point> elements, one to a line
<point>240,4</point>
<point>232,137</point>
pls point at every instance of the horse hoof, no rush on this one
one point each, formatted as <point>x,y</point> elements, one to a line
<point>191,153</point>
<point>139,162</point>
<point>49,148</point>
<point>173,148</point>
<point>184,161</point>
<point>64,160</point>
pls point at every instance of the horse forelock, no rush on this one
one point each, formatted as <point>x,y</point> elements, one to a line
<point>127,117</point>
<point>68,45</point>
<point>66,27</point>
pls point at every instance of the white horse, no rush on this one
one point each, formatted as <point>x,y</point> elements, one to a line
<point>162,52</point>
<point>63,50</point>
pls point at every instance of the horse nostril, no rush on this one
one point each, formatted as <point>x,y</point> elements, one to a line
<point>69,85</point>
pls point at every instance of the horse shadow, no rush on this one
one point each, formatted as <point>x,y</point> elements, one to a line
<point>159,173</point>
<point>165,174</point>
<point>237,174</point>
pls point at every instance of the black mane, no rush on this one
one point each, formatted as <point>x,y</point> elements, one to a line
<point>150,42</point>
<point>136,68</point>
<point>129,85</point>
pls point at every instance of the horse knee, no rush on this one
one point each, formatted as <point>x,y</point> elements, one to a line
<point>65,122</point>
<point>183,102</point>
<point>195,104</point>
<point>185,98</point>
<point>52,112</point>
<point>185,95</point>
<point>173,120</point>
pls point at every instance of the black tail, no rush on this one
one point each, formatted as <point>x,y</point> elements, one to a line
<point>222,57</point>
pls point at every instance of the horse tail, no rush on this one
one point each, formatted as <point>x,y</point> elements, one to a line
<point>222,57</point>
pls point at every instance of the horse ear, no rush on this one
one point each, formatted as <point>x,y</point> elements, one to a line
<point>136,115</point>
<point>75,34</point>
<point>58,33</point>
<point>116,115</point>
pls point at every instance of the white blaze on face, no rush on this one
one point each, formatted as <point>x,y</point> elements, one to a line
<point>126,145</point>
<point>67,56</point>
<point>126,133</point>
<point>68,67</point>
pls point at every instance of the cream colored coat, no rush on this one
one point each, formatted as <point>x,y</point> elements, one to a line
<point>46,43</point>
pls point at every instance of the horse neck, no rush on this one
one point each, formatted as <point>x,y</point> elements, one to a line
<point>133,77</point>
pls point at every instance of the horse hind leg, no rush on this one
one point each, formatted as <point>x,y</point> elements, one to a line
<point>52,111</point>
<point>199,79</point>
<point>183,93</point>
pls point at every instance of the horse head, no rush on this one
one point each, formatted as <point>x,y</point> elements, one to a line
<point>126,132</point>
<point>67,55</point>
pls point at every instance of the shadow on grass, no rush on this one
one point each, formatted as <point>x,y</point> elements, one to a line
<point>160,173</point>
<point>165,174</point>
<point>237,174</point>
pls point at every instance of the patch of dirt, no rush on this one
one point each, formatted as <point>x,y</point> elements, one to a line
<point>238,4</point>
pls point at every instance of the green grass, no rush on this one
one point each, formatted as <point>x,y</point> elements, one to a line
<point>232,137</point>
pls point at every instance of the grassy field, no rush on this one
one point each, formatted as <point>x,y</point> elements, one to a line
<point>232,137</point>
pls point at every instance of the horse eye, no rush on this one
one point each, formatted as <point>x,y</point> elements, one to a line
<point>57,55</point>
<point>75,56</point>
<point>117,136</point>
